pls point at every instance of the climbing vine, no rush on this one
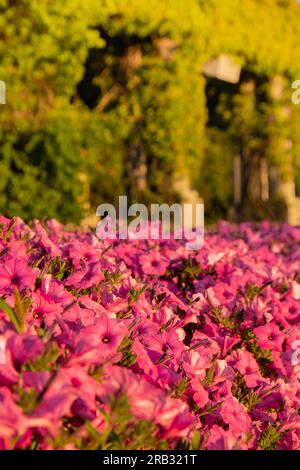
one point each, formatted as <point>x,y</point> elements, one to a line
<point>114,90</point>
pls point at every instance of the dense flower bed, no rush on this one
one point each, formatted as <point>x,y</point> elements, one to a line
<point>143,345</point>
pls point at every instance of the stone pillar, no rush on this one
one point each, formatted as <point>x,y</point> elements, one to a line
<point>245,121</point>
<point>264,179</point>
<point>281,149</point>
<point>187,195</point>
<point>137,166</point>
<point>237,180</point>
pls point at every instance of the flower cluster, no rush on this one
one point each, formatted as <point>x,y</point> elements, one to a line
<point>144,345</point>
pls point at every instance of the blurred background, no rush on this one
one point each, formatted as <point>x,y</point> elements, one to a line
<point>162,100</point>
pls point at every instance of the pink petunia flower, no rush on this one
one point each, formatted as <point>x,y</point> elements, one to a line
<point>247,366</point>
<point>269,336</point>
<point>42,309</point>
<point>195,364</point>
<point>235,414</point>
<point>219,439</point>
<point>15,272</point>
<point>55,292</point>
<point>87,277</point>
<point>167,343</point>
<point>199,394</point>
<point>83,253</point>
<point>13,422</point>
<point>153,263</point>
<point>106,335</point>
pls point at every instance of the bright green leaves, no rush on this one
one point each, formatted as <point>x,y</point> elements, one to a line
<point>18,312</point>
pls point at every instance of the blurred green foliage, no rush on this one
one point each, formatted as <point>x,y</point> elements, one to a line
<point>43,47</point>
<point>97,89</point>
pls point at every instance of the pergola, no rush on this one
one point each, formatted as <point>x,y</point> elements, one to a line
<point>267,179</point>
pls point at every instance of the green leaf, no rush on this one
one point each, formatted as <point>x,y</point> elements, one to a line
<point>11,315</point>
<point>19,309</point>
<point>269,437</point>
<point>195,442</point>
